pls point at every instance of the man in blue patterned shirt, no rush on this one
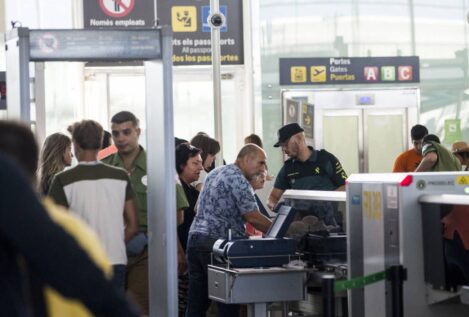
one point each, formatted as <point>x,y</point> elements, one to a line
<point>226,202</point>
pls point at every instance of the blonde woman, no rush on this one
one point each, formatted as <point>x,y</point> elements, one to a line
<point>56,154</point>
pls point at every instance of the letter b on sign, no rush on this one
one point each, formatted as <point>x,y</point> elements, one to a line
<point>388,73</point>
<point>404,73</point>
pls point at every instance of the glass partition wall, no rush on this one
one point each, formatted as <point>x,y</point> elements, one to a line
<point>434,30</point>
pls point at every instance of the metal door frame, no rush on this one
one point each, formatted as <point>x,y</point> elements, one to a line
<point>161,190</point>
<point>410,117</point>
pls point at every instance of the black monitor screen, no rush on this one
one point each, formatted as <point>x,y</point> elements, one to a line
<point>281,223</point>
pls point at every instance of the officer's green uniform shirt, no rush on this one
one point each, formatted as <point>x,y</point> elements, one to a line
<point>321,171</point>
<point>446,160</point>
<point>138,179</point>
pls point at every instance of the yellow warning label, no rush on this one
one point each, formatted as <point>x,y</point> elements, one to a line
<point>462,180</point>
<point>318,74</point>
<point>372,208</point>
<point>184,19</point>
<point>298,74</point>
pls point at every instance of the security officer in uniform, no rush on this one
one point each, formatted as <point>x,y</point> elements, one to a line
<point>131,156</point>
<point>307,169</point>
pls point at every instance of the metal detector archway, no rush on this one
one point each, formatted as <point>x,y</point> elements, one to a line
<point>154,47</point>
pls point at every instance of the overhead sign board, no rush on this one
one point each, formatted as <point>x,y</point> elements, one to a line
<point>95,45</point>
<point>192,32</point>
<point>118,13</point>
<point>349,70</point>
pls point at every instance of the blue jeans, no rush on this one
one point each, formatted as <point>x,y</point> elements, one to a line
<point>198,252</point>
<point>118,276</point>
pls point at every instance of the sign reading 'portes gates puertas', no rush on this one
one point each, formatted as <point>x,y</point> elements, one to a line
<point>191,31</point>
<point>349,70</point>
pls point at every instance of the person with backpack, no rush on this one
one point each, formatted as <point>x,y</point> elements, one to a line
<point>307,169</point>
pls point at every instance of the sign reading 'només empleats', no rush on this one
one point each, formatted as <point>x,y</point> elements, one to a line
<point>105,14</point>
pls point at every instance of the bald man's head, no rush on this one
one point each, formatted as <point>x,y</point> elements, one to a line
<point>251,160</point>
<point>249,149</point>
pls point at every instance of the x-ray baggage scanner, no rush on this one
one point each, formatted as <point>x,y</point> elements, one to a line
<point>256,272</point>
<point>392,222</point>
<point>154,47</point>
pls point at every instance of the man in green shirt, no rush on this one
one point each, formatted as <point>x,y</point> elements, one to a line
<point>132,157</point>
<point>436,158</point>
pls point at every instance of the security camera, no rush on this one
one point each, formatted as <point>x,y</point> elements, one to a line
<point>217,20</point>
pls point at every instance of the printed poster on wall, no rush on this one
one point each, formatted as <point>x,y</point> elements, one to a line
<point>452,131</point>
<point>292,109</point>
<point>308,120</point>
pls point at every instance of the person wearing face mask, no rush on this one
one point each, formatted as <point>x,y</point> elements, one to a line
<point>56,155</point>
<point>210,148</point>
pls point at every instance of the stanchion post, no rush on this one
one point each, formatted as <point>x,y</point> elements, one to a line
<point>397,275</point>
<point>328,295</point>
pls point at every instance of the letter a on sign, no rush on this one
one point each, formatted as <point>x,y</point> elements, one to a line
<point>117,8</point>
<point>371,73</point>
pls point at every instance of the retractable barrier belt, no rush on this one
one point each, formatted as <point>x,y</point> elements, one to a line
<point>359,282</point>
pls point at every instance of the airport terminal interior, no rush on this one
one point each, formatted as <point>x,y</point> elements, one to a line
<point>354,200</point>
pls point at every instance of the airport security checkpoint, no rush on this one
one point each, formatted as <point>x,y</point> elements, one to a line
<point>366,243</point>
<point>384,257</point>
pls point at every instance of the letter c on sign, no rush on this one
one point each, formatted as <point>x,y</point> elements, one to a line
<point>405,73</point>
